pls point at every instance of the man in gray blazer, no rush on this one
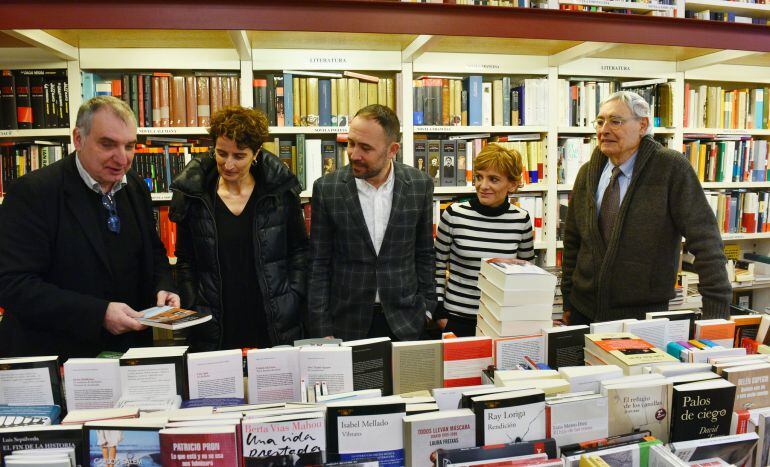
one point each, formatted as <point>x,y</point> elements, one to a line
<point>371,239</point>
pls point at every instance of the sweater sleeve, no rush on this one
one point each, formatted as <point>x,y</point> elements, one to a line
<point>694,218</point>
<point>526,247</point>
<point>443,244</point>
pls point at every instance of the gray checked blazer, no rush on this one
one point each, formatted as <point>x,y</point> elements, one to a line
<point>345,272</point>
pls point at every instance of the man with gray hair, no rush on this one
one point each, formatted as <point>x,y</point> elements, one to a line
<point>79,253</point>
<point>631,205</point>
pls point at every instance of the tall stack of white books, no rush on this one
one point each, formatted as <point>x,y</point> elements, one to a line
<point>516,299</point>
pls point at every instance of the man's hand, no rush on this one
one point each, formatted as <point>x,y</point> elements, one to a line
<point>565,316</point>
<point>168,299</point>
<point>442,323</point>
<point>121,318</point>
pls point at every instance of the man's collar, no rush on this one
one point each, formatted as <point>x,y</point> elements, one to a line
<point>92,184</point>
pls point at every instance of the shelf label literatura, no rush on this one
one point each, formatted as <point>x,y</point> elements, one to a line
<point>328,60</point>
<point>616,68</point>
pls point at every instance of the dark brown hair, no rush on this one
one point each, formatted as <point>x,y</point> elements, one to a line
<point>386,118</point>
<point>247,127</point>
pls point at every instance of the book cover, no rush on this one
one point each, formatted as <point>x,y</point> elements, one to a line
<point>426,433</point>
<point>464,360</point>
<point>372,364</point>
<point>273,375</point>
<point>216,374</point>
<point>203,99</point>
<point>168,317</point>
<point>367,429</point>
<point>291,435</point>
<point>732,449</point>
<point>448,162</point>
<point>31,381</point>
<point>489,453</point>
<point>509,417</point>
<point>639,407</point>
<point>751,383</point>
<point>701,410</point>
<point>41,437</point>
<point>212,446</point>
<point>153,374</point>
<point>417,366</point>
<point>328,155</point>
<point>324,102</point>
<point>564,346</point>
<point>577,419</point>
<point>92,383</point>
<point>23,102</point>
<point>126,442</point>
<point>330,365</point>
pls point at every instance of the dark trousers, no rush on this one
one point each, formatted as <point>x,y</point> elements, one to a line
<point>380,327</point>
<point>576,317</point>
<point>461,326</point>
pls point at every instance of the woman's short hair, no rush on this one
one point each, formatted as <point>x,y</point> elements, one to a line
<point>507,162</point>
<point>248,128</point>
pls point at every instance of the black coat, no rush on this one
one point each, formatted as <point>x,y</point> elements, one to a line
<point>55,277</point>
<point>280,247</point>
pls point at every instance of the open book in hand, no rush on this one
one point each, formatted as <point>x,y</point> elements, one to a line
<point>168,317</point>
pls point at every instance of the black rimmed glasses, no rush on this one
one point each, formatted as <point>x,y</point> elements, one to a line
<point>113,221</point>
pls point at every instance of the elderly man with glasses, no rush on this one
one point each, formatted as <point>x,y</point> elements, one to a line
<point>79,253</point>
<point>631,205</point>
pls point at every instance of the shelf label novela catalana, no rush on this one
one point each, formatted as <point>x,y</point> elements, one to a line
<point>6,133</point>
<point>158,131</point>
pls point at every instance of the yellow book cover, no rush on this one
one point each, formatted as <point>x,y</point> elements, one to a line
<point>363,95</point>
<point>382,92</point>
<point>296,96</point>
<point>312,101</point>
<point>343,94</point>
<point>390,90</point>
<point>334,108</point>
<point>353,104</point>
<point>303,101</point>
<point>371,97</point>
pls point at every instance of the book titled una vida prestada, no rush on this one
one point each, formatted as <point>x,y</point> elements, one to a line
<point>168,317</point>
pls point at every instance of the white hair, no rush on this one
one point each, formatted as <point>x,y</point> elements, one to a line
<point>636,103</point>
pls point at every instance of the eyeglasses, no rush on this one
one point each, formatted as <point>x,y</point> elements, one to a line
<point>613,122</point>
<point>113,221</point>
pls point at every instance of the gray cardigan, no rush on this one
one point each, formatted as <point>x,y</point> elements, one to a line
<point>635,271</point>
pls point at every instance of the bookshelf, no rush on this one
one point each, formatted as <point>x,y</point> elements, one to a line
<point>412,40</point>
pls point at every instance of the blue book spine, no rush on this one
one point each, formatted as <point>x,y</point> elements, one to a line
<point>89,88</point>
<point>709,342</point>
<point>288,100</point>
<point>324,102</point>
<point>474,100</point>
<point>675,350</point>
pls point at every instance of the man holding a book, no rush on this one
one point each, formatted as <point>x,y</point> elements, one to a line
<point>631,205</point>
<point>371,240</point>
<point>79,253</point>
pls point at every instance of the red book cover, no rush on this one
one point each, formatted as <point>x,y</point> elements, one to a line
<point>464,360</point>
<point>140,88</point>
<point>213,446</point>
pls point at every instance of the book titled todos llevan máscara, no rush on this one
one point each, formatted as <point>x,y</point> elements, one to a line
<point>168,317</point>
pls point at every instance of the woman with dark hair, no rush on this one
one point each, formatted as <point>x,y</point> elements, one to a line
<point>241,241</point>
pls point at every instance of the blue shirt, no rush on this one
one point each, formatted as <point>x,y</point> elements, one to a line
<point>626,171</point>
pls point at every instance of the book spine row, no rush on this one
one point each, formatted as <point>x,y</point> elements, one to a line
<point>159,165</point>
<point>19,159</point>
<point>34,99</point>
<point>473,102</point>
<point>741,160</point>
<point>740,211</point>
<point>716,107</point>
<point>449,162</point>
<point>725,17</point>
<point>165,100</point>
<point>293,100</point>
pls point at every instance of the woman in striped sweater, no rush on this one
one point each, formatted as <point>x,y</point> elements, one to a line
<point>486,226</point>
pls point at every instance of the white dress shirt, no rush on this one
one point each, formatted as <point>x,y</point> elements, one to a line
<point>376,204</point>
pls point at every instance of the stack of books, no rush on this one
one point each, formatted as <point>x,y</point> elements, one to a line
<point>516,299</point>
